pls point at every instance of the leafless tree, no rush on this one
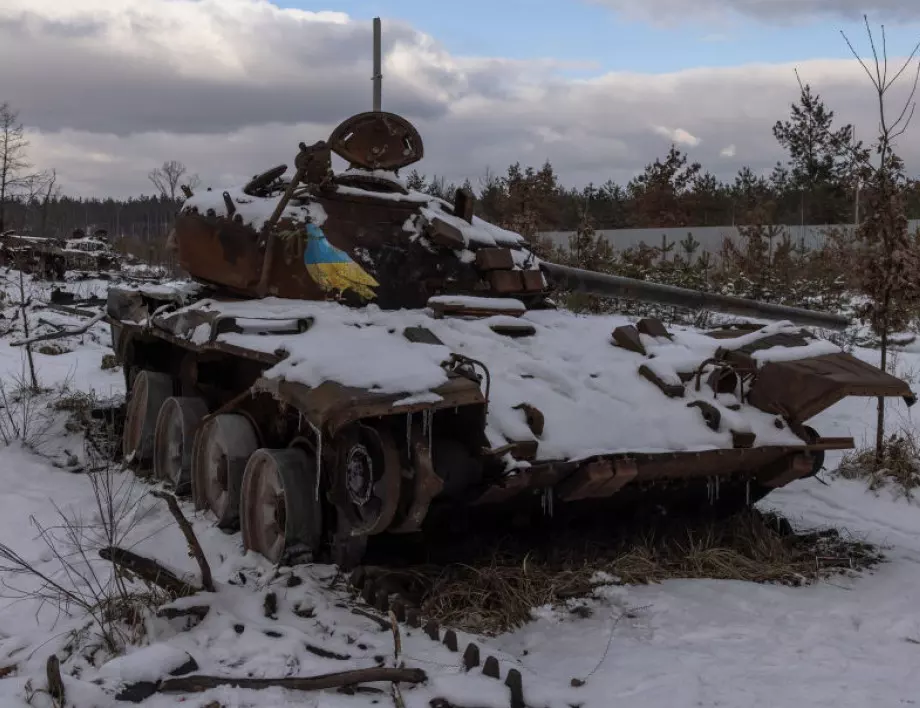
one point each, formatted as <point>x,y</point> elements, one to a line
<point>168,178</point>
<point>13,163</point>
<point>889,257</point>
<point>50,190</point>
<point>36,191</point>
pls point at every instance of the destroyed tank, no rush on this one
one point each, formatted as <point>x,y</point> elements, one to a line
<point>352,358</point>
<point>51,258</point>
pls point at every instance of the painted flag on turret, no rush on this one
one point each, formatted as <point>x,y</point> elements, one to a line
<point>332,268</point>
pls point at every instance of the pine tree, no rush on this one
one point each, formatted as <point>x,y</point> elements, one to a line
<point>753,198</point>
<point>690,246</point>
<point>416,181</point>
<point>822,160</point>
<point>706,200</point>
<point>530,199</point>
<point>660,194</point>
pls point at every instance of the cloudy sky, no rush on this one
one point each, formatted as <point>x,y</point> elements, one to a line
<point>111,88</point>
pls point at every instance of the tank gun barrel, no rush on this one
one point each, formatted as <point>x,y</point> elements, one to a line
<point>606,285</point>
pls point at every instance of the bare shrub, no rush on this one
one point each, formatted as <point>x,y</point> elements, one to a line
<point>24,417</point>
<point>34,417</point>
<point>80,584</point>
<point>899,468</point>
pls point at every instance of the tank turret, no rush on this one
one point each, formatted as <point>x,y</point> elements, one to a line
<point>362,236</point>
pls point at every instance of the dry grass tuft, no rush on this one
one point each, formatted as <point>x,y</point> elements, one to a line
<point>899,468</point>
<point>53,349</point>
<point>100,421</point>
<point>78,405</point>
<point>496,589</point>
<point>77,402</point>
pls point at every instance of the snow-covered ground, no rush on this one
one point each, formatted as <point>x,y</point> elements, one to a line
<point>846,641</point>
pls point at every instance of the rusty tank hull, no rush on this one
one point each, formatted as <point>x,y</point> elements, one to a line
<point>355,358</point>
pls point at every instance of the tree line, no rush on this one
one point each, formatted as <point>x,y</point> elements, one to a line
<point>31,199</point>
<point>817,183</point>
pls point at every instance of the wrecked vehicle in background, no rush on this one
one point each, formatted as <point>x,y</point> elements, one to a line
<point>354,357</point>
<point>52,258</point>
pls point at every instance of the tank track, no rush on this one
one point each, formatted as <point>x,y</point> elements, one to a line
<point>384,591</point>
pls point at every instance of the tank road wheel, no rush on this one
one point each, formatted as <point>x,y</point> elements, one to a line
<point>280,513</point>
<point>173,439</point>
<point>222,449</point>
<point>817,455</point>
<point>148,392</point>
<point>369,479</point>
<point>365,489</point>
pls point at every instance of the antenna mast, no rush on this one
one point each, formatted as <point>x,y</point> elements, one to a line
<point>378,77</point>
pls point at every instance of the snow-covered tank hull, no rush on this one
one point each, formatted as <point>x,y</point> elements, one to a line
<point>357,356</point>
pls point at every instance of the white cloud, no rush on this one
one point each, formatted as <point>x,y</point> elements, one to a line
<point>113,88</point>
<point>671,12</point>
<point>677,135</point>
<point>728,151</point>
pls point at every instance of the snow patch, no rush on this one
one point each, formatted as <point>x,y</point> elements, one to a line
<point>478,303</point>
<point>819,347</point>
<point>316,213</point>
<point>254,211</point>
<point>429,397</point>
<point>150,663</point>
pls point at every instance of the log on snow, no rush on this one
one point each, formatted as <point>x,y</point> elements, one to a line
<point>59,334</point>
<point>55,682</point>
<point>148,570</point>
<point>196,684</point>
<point>194,546</point>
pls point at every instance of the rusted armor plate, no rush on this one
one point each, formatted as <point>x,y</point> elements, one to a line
<point>803,388</point>
<point>330,405</point>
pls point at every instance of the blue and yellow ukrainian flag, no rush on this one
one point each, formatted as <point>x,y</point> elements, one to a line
<point>333,269</point>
